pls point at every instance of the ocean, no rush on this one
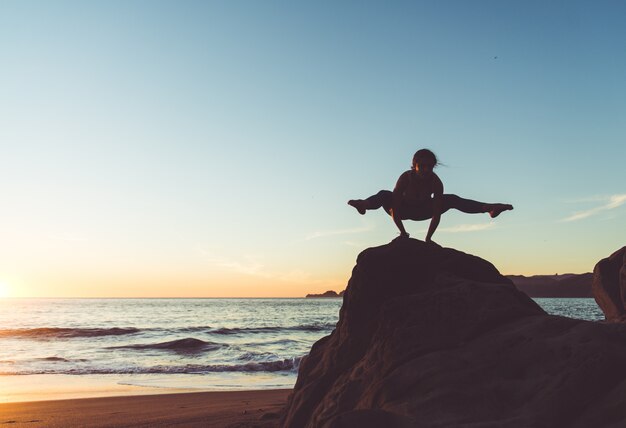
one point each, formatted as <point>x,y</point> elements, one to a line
<point>163,345</point>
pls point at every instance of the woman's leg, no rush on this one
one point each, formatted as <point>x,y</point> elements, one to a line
<point>473,207</point>
<point>383,199</point>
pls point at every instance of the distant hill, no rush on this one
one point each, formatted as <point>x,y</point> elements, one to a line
<point>329,293</point>
<point>566,285</point>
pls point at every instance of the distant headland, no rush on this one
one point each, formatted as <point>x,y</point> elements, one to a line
<point>329,293</point>
<point>564,285</point>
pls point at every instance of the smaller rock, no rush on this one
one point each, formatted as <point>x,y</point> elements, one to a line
<point>609,285</point>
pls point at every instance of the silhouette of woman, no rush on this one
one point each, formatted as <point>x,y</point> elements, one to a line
<point>418,195</point>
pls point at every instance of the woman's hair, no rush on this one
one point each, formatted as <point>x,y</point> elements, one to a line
<point>425,154</point>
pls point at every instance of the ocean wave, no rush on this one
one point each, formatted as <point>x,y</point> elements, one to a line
<point>275,342</point>
<point>60,333</point>
<point>253,330</point>
<point>286,365</point>
<point>59,359</point>
<point>252,356</point>
<point>193,329</point>
<point>187,345</point>
<point>42,333</point>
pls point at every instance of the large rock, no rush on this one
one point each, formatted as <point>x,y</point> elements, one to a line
<point>432,337</point>
<point>609,285</point>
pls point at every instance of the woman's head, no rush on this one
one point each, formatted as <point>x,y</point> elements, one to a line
<point>424,159</point>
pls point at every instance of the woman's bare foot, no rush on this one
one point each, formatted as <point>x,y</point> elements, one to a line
<point>496,209</point>
<point>359,204</point>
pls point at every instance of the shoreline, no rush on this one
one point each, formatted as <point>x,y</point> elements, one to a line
<point>47,387</point>
<point>193,409</point>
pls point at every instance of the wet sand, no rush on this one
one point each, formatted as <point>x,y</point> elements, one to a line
<point>235,409</point>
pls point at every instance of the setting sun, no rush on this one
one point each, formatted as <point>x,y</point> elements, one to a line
<point>4,289</point>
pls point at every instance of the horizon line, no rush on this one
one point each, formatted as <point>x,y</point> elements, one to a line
<point>152,297</point>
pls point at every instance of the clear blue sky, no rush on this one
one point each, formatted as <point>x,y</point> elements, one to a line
<point>209,148</point>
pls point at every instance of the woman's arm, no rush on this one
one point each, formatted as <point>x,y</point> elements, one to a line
<point>437,208</point>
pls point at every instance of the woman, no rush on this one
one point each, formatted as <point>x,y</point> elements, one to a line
<point>418,195</point>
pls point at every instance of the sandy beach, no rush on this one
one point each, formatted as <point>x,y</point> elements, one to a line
<point>197,409</point>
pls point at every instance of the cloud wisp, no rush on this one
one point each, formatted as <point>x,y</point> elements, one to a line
<point>464,228</point>
<point>350,231</point>
<point>249,265</point>
<point>609,203</point>
<point>68,238</point>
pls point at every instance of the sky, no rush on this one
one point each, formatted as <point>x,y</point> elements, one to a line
<point>208,149</point>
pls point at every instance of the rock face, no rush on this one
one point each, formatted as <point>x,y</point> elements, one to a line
<point>432,337</point>
<point>609,285</point>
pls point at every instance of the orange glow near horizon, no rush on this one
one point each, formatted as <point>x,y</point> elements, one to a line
<point>166,285</point>
<point>198,281</point>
